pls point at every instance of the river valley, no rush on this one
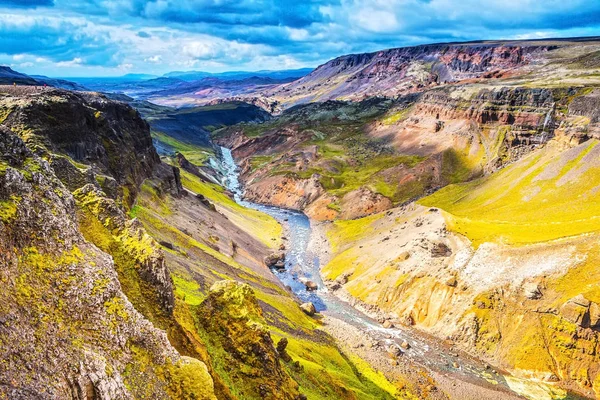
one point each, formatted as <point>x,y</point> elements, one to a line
<point>469,377</point>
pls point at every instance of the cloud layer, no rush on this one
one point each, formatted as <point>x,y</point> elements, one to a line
<point>112,37</point>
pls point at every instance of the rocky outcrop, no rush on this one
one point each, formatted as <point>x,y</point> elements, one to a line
<point>58,288</point>
<point>235,324</point>
<point>581,312</point>
<point>284,191</point>
<point>109,136</point>
<point>137,245</point>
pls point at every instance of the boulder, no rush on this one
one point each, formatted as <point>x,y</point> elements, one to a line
<point>403,256</point>
<point>577,311</point>
<point>342,279</point>
<point>394,351</point>
<point>532,290</point>
<point>405,345</point>
<point>440,249</point>
<point>594,313</point>
<point>275,260</point>
<point>452,282</point>
<point>310,285</point>
<point>308,308</point>
<point>281,346</point>
<point>387,324</point>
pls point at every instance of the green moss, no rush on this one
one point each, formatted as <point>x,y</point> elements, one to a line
<point>8,209</point>
<point>189,379</point>
<point>334,206</point>
<point>348,231</point>
<point>396,116</point>
<point>4,113</point>
<point>128,254</point>
<point>195,154</point>
<point>187,290</point>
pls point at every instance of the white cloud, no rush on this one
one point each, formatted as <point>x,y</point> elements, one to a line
<point>377,21</point>
<point>156,59</point>
<point>76,62</point>
<point>201,49</point>
<point>298,34</point>
<point>125,66</point>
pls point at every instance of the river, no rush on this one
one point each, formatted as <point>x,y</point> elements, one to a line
<point>301,262</point>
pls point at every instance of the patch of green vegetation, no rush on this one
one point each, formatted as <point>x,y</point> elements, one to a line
<point>187,290</point>
<point>4,113</point>
<point>262,226</point>
<point>458,167</point>
<point>326,373</point>
<point>195,154</point>
<point>348,231</point>
<point>8,209</point>
<point>257,162</point>
<point>546,195</point>
<point>395,116</point>
<point>334,207</point>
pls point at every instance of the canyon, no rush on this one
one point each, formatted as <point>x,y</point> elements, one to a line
<point>417,223</point>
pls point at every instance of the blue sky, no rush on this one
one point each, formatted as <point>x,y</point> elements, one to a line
<point>114,37</point>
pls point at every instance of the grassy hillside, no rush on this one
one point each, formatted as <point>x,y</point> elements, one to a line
<point>547,195</point>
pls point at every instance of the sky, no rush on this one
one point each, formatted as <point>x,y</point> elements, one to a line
<point>75,38</point>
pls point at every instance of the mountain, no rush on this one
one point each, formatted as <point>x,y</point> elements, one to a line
<point>188,90</point>
<point>212,90</point>
<point>400,71</point>
<point>8,77</point>
<point>128,277</point>
<point>59,83</point>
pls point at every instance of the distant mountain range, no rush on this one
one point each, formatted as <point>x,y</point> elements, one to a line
<point>8,76</point>
<point>237,75</point>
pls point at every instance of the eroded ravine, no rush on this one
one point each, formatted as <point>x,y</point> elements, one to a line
<point>302,262</point>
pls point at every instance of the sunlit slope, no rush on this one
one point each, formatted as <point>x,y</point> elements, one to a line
<point>551,193</point>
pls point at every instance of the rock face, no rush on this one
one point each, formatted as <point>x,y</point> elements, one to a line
<point>58,287</point>
<point>581,312</point>
<point>403,70</point>
<point>88,128</point>
<point>235,323</point>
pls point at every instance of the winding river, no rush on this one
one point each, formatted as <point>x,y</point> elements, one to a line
<point>301,262</point>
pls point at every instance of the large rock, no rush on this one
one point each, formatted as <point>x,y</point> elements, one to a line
<point>532,290</point>
<point>308,308</point>
<point>581,311</point>
<point>233,320</point>
<point>275,260</point>
<point>310,285</point>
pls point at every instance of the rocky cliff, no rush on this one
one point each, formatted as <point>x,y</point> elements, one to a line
<point>72,330</point>
<point>400,71</point>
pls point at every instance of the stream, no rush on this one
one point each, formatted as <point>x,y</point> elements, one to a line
<point>301,262</point>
